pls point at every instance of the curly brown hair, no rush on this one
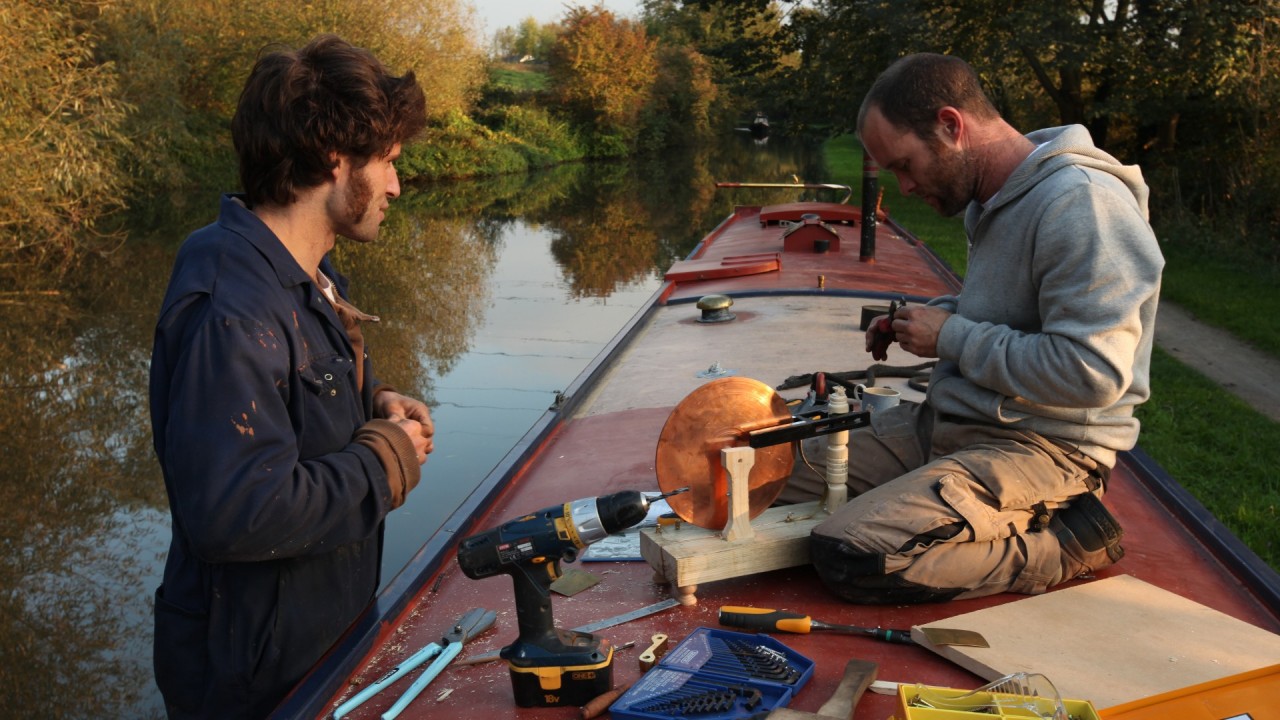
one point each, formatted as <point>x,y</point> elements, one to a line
<point>302,109</point>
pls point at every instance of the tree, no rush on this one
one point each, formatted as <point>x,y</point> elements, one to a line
<point>681,107</point>
<point>183,65</point>
<point>743,42</point>
<point>503,43</point>
<point>748,34</point>
<point>527,39</point>
<point>840,55</point>
<point>61,138</point>
<point>1186,87</point>
<point>1120,67</point>
<point>602,69</point>
<point>534,39</point>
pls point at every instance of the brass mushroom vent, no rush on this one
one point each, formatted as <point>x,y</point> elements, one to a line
<point>715,308</point>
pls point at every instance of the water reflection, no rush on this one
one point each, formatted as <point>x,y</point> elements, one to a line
<point>494,294</point>
<point>80,498</point>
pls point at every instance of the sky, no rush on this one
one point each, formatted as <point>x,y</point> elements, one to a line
<point>497,14</point>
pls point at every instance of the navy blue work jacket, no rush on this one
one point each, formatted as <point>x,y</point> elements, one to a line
<point>277,515</point>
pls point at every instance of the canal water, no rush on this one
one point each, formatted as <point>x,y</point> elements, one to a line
<point>493,295</point>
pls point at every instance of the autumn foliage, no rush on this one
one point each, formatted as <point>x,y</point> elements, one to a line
<point>113,103</point>
<point>60,133</point>
<point>602,70</point>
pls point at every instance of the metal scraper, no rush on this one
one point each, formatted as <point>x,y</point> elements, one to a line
<point>950,636</point>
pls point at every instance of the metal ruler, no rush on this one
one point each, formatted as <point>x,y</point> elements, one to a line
<point>628,616</point>
<point>588,628</point>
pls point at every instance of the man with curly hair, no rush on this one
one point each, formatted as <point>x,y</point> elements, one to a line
<point>282,453</point>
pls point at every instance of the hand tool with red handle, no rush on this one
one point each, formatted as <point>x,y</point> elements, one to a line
<point>883,334</point>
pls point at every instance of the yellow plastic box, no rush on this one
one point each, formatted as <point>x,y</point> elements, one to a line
<point>1076,709</point>
<point>1254,695</point>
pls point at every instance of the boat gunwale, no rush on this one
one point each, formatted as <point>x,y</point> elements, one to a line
<point>1259,578</point>
<point>806,292</point>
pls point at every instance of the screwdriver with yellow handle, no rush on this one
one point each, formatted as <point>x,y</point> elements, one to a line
<point>767,619</point>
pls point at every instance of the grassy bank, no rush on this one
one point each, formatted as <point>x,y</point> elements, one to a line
<point>1224,452</point>
<point>1231,293</point>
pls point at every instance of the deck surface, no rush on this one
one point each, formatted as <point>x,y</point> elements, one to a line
<point>609,442</point>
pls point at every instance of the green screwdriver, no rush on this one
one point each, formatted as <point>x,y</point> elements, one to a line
<point>767,619</point>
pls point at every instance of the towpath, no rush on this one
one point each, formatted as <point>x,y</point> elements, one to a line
<point>1238,367</point>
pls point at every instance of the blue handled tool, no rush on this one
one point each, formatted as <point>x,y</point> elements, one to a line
<point>468,626</point>
<point>396,673</point>
<point>471,624</point>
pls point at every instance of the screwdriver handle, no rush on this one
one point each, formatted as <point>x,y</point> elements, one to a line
<point>764,619</point>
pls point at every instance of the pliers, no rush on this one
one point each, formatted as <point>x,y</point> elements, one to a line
<point>883,334</point>
<point>471,624</point>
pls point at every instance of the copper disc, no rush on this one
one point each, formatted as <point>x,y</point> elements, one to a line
<point>715,416</point>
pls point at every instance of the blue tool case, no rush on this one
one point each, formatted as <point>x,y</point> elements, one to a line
<point>716,675</point>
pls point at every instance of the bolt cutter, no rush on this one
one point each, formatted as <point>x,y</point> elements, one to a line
<point>471,624</point>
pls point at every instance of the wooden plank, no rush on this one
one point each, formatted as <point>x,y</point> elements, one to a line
<point>1109,641</point>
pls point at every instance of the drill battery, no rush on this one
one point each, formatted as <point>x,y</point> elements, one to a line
<point>561,678</point>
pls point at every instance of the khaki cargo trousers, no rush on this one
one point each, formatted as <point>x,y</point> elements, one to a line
<point>941,509</point>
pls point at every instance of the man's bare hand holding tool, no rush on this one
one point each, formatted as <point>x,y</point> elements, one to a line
<point>917,328</point>
<point>880,333</point>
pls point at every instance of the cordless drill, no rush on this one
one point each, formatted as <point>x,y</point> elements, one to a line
<point>550,666</point>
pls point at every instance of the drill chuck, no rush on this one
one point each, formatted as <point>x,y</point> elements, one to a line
<point>620,511</point>
<point>586,522</point>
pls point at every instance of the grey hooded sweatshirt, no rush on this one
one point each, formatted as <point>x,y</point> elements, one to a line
<point>1053,330</point>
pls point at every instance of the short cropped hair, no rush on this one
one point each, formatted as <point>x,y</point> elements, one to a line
<point>300,109</point>
<point>912,91</point>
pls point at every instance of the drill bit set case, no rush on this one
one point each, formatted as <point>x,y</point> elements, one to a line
<point>716,675</point>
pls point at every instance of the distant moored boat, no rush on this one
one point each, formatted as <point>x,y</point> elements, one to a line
<point>760,125</point>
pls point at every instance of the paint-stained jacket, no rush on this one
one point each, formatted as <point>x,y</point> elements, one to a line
<point>277,514</point>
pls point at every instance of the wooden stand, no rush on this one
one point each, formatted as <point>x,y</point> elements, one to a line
<point>685,555</point>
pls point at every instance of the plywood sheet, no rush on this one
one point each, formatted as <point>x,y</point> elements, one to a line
<point>1110,641</point>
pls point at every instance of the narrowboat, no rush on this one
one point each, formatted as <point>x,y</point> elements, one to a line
<point>794,280</point>
<point>760,125</point>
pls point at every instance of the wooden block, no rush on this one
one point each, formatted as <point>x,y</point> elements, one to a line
<point>688,555</point>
